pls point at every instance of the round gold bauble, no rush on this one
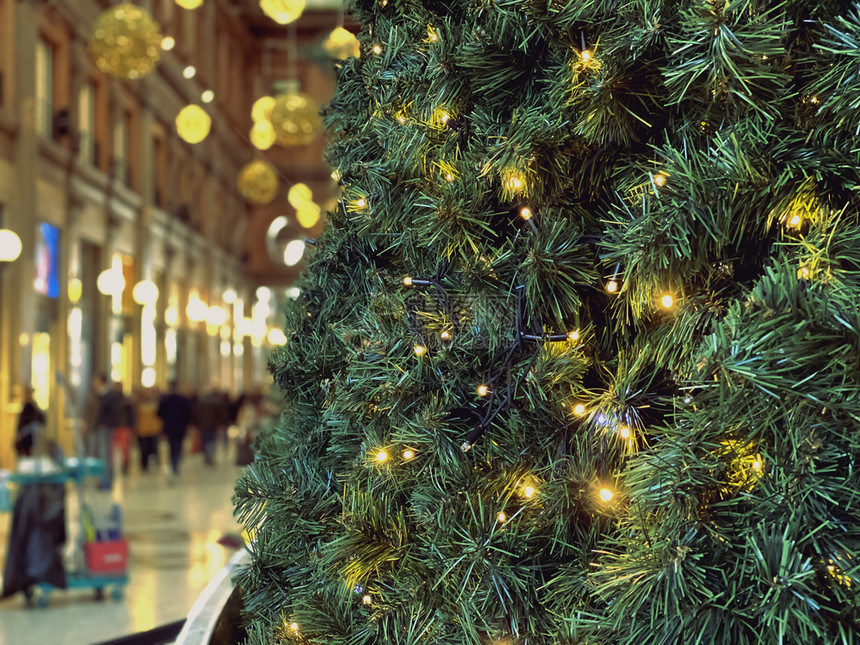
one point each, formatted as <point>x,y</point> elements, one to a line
<point>342,43</point>
<point>295,118</point>
<point>125,42</point>
<point>193,124</point>
<point>262,135</point>
<point>300,195</point>
<point>282,11</point>
<point>258,183</point>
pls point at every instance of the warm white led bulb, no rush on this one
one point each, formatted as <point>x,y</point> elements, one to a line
<point>407,281</point>
<point>795,220</point>
<point>624,432</point>
<point>408,454</point>
<point>419,350</point>
<point>529,491</point>
<point>667,301</point>
<point>366,599</point>
<point>579,409</point>
<point>660,179</point>
<point>502,517</point>
<point>606,495</point>
<point>361,202</point>
<point>445,335</point>
<point>586,56</point>
<point>381,456</point>
<point>757,465</point>
<point>483,390</point>
<point>574,335</point>
<point>377,49</point>
<point>294,627</point>
<point>612,286</point>
<point>526,212</point>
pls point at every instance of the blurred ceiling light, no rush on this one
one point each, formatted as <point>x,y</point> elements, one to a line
<point>168,43</point>
<point>207,96</point>
<point>308,215</point>
<point>216,316</point>
<point>263,294</point>
<point>193,124</point>
<point>189,72</point>
<point>10,245</point>
<point>276,336</point>
<point>294,252</point>
<point>262,108</point>
<point>262,135</point>
<point>299,195</point>
<point>110,282</point>
<point>282,11</point>
<point>145,292</point>
<point>230,296</point>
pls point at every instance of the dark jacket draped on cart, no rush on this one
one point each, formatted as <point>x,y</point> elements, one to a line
<point>36,538</point>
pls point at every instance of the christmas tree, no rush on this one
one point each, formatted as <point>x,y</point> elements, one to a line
<point>577,360</point>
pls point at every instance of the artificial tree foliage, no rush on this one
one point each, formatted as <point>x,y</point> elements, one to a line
<point>577,359</point>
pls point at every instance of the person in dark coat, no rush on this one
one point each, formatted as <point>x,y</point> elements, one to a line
<point>210,414</point>
<point>110,399</point>
<point>30,421</point>
<point>175,412</point>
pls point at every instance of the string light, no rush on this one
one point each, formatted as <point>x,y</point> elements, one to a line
<point>502,517</point>
<point>514,182</point>
<point>795,220</point>
<point>381,456</point>
<point>526,212</point>
<point>483,390</point>
<point>408,454</point>
<point>574,335</point>
<point>804,273</point>
<point>445,117</point>
<point>294,627</point>
<point>445,335</point>
<point>624,432</point>
<point>612,286</point>
<point>168,43</point>
<point>419,350</point>
<point>660,179</point>
<point>606,495</point>
<point>757,465</point>
<point>529,491</point>
<point>335,174</point>
<point>586,56</point>
<point>377,49</point>
<point>579,409</point>
<point>407,281</point>
<point>449,177</point>
<point>667,301</point>
<point>432,36</point>
<point>366,599</point>
<point>189,72</point>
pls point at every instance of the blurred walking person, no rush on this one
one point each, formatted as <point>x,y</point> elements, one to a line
<point>174,410</point>
<point>105,424</point>
<point>30,422</point>
<point>210,415</point>
<point>125,425</point>
<point>149,426</point>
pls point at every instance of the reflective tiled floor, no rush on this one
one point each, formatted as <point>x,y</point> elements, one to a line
<point>173,531</point>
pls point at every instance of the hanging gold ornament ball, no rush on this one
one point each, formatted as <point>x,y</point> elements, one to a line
<point>262,109</point>
<point>296,119</point>
<point>262,135</point>
<point>193,124</point>
<point>342,43</point>
<point>258,183</point>
<point>189,4</point>
<point>126,42</point>
<point>282,11</point>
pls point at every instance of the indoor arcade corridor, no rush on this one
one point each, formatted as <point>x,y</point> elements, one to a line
<point>173,529</point>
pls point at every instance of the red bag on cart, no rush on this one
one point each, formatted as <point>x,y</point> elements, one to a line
<point>107,557</point>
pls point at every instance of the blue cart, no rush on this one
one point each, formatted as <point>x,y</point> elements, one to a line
<point>77,471</point>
